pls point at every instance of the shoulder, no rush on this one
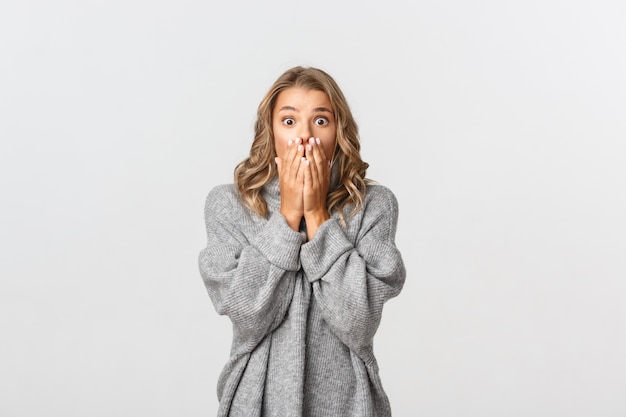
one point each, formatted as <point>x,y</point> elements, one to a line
<point>380,197</point>
<point>379,213</point>
<point>222,197</point>
<point>380,207</point>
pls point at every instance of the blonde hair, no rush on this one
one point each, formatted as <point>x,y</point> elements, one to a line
<point>259,168</point>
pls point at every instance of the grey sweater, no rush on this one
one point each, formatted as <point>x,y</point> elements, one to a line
<point>304,314</point>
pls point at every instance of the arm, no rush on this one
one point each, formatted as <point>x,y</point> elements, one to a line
<point>252,281</point>
<point>352,281</point>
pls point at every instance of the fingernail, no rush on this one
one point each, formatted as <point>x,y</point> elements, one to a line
<point>298,140</point>
<point>318,141</point>
<point>311,140</point>
<point>307,162</point>
<point>328,164</point>
<point>299,147</point>
<point>289,143</point>
<point>309,148</point>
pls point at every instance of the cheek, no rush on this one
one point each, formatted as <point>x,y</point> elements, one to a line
<point>329,147</point>
<point>280,148</point>
<point>280,144</point>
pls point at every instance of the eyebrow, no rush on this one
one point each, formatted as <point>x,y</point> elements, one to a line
<point>317,109</point>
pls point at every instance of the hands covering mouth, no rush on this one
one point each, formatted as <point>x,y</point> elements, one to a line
<point>304,178</point>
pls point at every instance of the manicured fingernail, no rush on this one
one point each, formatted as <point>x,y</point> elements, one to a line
<point>309,148</point>
<point>328,164</point>
<point>299,147</point>
<point>318,141</point>
<point>307,162</point>
<point>298,140</point>
<point>311,140</point>
<point>276,160</point>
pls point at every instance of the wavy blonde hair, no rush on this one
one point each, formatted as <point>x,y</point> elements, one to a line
<point>259,168</point>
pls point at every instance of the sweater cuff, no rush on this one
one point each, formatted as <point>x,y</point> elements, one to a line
<point>320,253</point>
<point>279,243</point>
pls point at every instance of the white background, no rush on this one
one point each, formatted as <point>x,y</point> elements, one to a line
<point>500,126</point>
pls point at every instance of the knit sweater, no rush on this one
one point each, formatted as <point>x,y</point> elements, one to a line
<point>304,313</point>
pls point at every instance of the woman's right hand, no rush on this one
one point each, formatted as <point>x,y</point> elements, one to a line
<point>291,182</point>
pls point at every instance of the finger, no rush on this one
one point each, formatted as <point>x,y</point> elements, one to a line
<point>320,160</point>
<point>299,164</point>
<point>307,174</point>
<point>302,168</point>
<point>313,157</point>
<point>294,155</point>
<point>291,151</point>
<point>298,148</point>
<point>278,162</point>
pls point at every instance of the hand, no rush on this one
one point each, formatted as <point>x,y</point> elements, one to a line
<point>316,184</point>
<point>291,174</point>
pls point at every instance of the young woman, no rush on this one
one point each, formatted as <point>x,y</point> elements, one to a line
<point>301,257</point>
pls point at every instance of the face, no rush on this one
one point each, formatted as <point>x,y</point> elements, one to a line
<point>302,113</point>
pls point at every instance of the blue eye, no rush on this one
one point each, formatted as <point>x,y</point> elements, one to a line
<point>289,121</point>
<point>321,121</point>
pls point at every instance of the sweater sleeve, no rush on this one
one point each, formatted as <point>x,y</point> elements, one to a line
<point>251,282</point>
<point>350,281</point>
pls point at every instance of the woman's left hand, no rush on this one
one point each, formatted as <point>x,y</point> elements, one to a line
<point>316,185</point>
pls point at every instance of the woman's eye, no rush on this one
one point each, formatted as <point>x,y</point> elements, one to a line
<point>289,121</point>
<point>321,121</point>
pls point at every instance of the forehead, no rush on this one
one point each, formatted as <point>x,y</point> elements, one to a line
<point>302,99</point>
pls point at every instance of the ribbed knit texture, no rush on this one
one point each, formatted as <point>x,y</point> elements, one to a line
<point>304,314</point>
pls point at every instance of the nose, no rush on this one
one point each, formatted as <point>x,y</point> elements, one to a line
<point>305,131</point>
